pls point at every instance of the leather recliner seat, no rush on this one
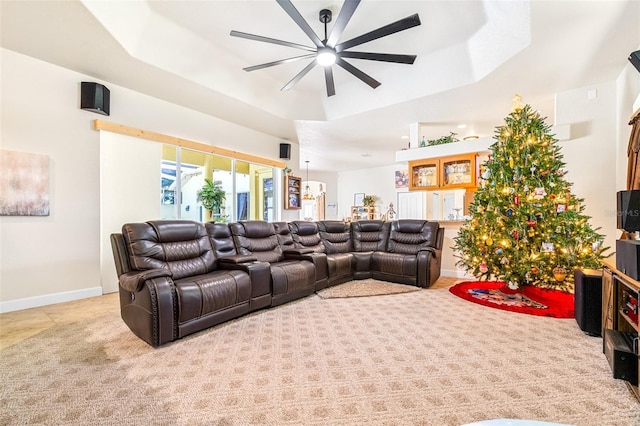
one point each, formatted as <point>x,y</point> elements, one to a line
<point>172,284</point>
<point>291,278</point>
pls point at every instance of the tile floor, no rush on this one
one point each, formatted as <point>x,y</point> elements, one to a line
<point>19,325</point>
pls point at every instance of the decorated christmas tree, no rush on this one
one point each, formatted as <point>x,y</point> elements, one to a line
<point>526,227</point>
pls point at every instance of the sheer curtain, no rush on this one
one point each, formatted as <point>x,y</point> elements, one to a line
<point>633,167</point>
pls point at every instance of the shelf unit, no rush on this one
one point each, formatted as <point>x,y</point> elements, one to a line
<point>456,171</point>
<point>292,193</point>
<point>362,213</point>
<point>617,313</point>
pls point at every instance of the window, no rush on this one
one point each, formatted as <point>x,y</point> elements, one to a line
<point>248,187</point>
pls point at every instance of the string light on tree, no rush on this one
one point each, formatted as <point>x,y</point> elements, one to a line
<point>526,227</point>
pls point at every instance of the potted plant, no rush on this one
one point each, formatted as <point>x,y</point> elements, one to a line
<point>369,200</point>
<point>211,196</point>
<point>286,171</point>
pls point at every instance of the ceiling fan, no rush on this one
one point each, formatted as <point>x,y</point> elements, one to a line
<point>329,51</point>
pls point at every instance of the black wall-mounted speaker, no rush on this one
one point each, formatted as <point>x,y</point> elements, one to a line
<point>285,151</point>
<point>94,97</point>
<point>628,210</point>
<point>634,58</point>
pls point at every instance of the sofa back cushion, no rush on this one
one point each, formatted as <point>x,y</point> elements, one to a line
<point>221,239</point>
<point>335,236</point>
<point>285,239</point>
<point>306,235</point>
<point>370,235</point>
<point>408,236</point>
<point>179,246</point>
<point>258,238</point>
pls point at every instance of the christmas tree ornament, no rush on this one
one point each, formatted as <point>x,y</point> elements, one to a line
<point>504,261</point>
<point>561,208</point>
<point>498,250</point>
<point>509,212</point>
<point>515,234</point>
<point>558,229</point>
<point>526,188</point>
<point>534,270</point>
<point>489,241</point>
<point>483,268</point>
<point>538,216</point>
<point>559,273</point>
<point>516,200</point>
<point>531,222</point>
<point>531,232</point>
<point>513,285</point>
<point>511,162</point>
<point>539,193</point>
<point>533,170</point>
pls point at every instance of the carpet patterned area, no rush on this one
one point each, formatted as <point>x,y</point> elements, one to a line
<point>363,288</point>
<point>420,358</point>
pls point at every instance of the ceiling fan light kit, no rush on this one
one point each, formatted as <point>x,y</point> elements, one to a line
<point>328,52</point>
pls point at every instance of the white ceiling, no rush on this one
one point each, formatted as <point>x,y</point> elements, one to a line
<point>472,57</point>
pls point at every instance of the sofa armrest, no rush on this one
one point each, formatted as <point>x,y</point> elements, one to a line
<point>237,258</point>
<point>259,273</point>
<point>428,266</point>
<point>134,280</point>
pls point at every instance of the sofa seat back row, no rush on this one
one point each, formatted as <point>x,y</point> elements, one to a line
<point>177,277</point>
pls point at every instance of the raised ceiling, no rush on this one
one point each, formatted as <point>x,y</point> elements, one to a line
<point>472,57</point>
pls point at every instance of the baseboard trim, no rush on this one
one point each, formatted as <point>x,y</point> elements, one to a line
<point>455,273</point>
<point>48,299</point>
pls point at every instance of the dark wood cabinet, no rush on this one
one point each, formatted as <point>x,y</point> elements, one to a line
<point>620,307</point>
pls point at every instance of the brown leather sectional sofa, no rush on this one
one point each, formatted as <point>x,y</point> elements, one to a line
<point>178,277</point>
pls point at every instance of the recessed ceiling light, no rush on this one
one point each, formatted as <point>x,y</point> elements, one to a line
<point>462,126</point>
<point>366,155</point>
<point>404,137</point>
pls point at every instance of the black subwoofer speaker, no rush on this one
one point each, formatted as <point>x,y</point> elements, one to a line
<point>588,300</point>
<point>285,151</point>
<point>95,97</point>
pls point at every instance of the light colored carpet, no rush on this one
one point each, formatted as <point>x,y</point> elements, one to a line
<point>421,358</point>
<point>363,288</point>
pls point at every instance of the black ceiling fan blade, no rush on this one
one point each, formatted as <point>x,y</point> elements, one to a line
<point>328,78</point>
<point>383,57</point>
<point>298,76</point>
<point>348,8</point>
<point>281,61</point>
<point>271,40</point>
<point>298,19</point>
<point>356,72</point>
<point>394,27</point>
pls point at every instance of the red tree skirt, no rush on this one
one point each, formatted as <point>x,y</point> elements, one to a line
<point>528,300</point>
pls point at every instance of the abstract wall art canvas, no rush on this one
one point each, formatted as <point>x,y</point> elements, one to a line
<point>24,184</point>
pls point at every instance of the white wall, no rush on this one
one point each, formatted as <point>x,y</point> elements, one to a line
<point>51,259</point>
<point>596,153</point>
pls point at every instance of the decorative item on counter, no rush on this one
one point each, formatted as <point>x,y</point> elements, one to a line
<point>423,143</point>
<point>369,200</point>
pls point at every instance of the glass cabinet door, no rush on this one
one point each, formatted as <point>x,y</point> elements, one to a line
<point>423,174</point>
<point>458,171</point>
